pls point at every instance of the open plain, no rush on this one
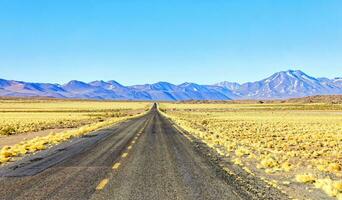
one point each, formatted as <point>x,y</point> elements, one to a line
<point>189,150</point>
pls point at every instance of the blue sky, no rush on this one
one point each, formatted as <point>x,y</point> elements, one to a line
<point>134,41</point>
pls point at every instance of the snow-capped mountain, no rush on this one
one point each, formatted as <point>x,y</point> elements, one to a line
<point>185,91</point>
<point>287,84</point>
<point>291,83</point>
<point>337,82</point>
<point>229,85</point>
<point>281,85</point>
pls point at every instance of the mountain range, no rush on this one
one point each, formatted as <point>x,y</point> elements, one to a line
<point>281,85</point>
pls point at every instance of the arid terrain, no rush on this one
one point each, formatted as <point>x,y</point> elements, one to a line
<point>295,147</point>
<point>76,149</point>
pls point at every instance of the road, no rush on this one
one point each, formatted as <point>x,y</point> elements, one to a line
<point>143,158</point>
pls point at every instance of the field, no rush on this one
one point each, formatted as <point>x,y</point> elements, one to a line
<point>22,116</point>
<point>289,145</point>
<point>27,116</point>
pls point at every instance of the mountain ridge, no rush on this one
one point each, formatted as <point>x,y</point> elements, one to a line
<point>280,85</point>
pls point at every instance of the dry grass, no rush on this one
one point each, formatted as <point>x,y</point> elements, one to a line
<point>286,142</point>
<point>9,153</point>
<point>23,116</point>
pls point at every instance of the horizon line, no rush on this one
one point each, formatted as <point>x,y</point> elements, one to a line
<point>186,82</point>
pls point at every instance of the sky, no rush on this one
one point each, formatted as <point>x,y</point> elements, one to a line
<point>135,42</point>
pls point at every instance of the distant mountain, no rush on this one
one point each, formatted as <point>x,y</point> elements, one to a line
<point>20,88</point>
<point>286,84</point>
<point>281,85</point>
<point>200,92</point>
<point>337,82</point>
<point>186,91</point>
<point>229,85</point>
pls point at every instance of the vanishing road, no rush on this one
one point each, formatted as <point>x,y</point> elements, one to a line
<point>142,158</point>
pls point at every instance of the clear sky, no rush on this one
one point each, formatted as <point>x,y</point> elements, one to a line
<point>145,41</point>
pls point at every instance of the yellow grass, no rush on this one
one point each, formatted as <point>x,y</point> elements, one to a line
<point>284,139</point>
<point>65,105</point>
<point>27,116</point>
<point>41,143</point>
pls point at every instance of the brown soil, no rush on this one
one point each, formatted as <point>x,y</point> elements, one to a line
<point>15,139</point>
<point>330,99</point>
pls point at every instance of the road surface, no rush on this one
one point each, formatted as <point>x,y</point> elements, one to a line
<point>143,158</point>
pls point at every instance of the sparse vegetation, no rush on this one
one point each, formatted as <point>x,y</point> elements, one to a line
<point>292,142</point>
<point>27,116</point>
<point>22,116</point>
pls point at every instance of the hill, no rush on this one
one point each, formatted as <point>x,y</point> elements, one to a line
<point>281,85</point>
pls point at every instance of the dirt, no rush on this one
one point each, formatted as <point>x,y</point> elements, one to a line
<point>245,183</point>
<point>255,183</point>
<point>134,112</point>
<point>329,99</point>
<point>15,139</point>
